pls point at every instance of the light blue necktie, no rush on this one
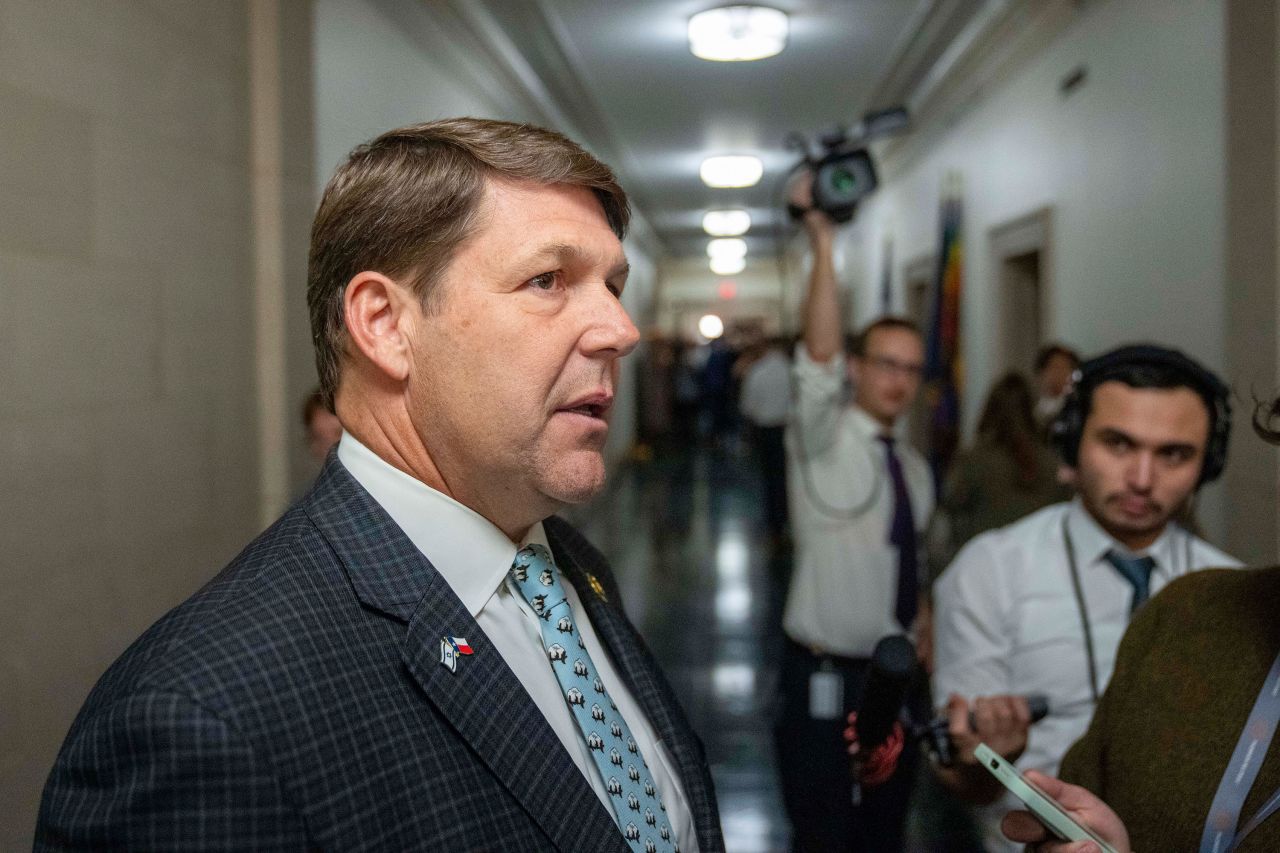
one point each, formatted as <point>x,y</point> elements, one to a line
<point>1137,571</point>
<point>639,810</point>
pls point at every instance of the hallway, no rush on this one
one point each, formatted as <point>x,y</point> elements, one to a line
<point>685,539</point>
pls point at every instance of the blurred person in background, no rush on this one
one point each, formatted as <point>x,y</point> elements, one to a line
<point>765,403</point>
<point>1054,367</point>
<point>322,426</point>
<point>1006,474</point>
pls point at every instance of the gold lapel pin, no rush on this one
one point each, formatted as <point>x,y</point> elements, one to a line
<point>596,587</point>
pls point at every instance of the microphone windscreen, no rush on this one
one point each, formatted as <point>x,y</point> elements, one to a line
<point>888,680</point>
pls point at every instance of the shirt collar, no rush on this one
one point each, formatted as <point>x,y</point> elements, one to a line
<point>1092,543</point>
<point>471,553</point>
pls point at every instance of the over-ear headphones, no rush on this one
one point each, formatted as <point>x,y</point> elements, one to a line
<point>1068,427</point>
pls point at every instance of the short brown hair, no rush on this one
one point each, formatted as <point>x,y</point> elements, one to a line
<point>403,203</point>
<point>858,343</point>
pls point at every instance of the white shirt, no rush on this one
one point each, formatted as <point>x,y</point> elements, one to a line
<point>845,584</point>
<point>475,557</point>
<point>1006,621</point>
<point>766,390</point>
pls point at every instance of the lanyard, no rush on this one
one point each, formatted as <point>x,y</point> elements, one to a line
<point>1076,587</point>
<point>1084,612</point>
<point>1220,829</point>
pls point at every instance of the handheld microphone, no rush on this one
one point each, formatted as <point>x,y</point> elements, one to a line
<point>888,680</point>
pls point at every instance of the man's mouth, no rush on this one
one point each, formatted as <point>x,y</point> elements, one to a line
<point>592,406</point>
<point>1133,505</point>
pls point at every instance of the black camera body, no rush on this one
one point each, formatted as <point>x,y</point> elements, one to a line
<point>842,168</point>
<point>841,179</point>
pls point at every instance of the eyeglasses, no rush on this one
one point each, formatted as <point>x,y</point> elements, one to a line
<point>892,365</point>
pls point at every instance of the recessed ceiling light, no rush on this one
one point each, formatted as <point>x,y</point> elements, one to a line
<point>710,326</point>
<point>728,264</point>
<point>726,223</point>
<point>732,170</point>
<point>727,247</point>
<point>737,33</point>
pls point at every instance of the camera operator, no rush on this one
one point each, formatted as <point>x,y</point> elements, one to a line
<point>860,501</point>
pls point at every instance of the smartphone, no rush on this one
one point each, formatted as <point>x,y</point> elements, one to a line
<point>1044,807</point>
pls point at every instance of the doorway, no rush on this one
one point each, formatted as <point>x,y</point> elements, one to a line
<point>1020,254</point>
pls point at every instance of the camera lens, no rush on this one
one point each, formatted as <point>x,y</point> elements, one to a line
<point>995,764</point>
<point>842,180</point>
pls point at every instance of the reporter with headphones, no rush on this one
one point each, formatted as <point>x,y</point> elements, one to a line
<point>1040,606</point>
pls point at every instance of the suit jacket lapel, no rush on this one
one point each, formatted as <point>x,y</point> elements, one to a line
<point>648,686</point>
<point>483,700</point>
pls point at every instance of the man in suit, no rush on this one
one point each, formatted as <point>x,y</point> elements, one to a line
<point>418,655</point>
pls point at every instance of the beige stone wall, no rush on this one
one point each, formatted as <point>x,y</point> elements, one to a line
<point>129,424</point>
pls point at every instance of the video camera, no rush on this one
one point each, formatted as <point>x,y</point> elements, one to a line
<point>843,170</point>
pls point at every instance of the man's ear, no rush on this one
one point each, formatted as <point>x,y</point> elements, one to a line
<point>379,315</point>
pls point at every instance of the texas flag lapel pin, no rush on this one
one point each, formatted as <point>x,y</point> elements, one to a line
<point>450,648</point>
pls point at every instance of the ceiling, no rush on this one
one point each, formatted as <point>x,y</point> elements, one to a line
<point>618,75</point>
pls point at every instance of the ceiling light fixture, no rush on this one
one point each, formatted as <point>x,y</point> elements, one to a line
<point>726,223</point>
<point>728,265</point>
<point>737,33</point>
<point>732,170</point>
<point>727,247</point>
<point>710,326</point>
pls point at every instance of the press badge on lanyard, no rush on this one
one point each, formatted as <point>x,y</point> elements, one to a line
<point>826,693</point>
<point>1222,830</point>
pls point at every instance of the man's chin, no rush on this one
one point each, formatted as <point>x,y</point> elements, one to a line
<point>577,481</point>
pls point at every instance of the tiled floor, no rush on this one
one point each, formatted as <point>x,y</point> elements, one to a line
<point>685,538</point>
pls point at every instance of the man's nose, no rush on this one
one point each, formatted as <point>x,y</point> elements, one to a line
<point>1142,471</point>
<point>611,332</point>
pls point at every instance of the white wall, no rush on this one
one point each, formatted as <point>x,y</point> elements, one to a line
<point>1131,164</point>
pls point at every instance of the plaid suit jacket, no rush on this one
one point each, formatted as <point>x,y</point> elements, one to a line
<point>297,702</point>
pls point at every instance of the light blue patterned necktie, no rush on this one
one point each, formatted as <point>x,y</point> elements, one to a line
<point>639,810</point>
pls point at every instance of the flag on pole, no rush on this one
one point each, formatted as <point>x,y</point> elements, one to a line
<point>944,362</point>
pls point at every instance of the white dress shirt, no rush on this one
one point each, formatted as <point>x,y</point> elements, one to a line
<point>1006,621</point>
<point>475,558</point>
<point>845,584</point>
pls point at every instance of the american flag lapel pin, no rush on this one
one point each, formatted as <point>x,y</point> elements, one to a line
<point>451,648</point>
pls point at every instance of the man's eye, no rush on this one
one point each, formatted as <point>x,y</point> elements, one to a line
<point>545,281</point>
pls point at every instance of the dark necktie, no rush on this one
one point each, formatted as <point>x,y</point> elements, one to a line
<point>636,805</point>
<point>1137,571</point>
<point>902,534</point>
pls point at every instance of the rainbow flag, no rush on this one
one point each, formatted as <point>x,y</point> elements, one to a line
<point>944,362</point>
